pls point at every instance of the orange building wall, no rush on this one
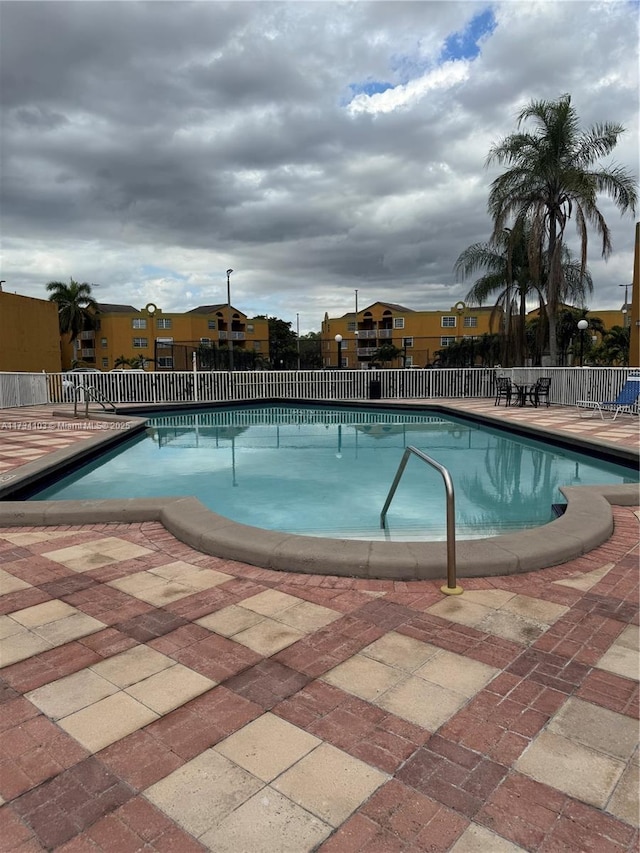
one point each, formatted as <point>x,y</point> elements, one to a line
<point>116,335</point>
<point>29,334</point>
<point>423,327</point>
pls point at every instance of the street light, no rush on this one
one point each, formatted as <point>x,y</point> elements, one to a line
<point>229,338</point>
<point>625,308</point>
<point>583,325</point>
<point>338,340</point>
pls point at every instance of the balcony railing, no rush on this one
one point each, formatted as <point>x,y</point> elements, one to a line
<point>366,333</point>
<point>385,333</point>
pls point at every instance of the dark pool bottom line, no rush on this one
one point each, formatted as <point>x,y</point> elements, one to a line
<point>587,523</point>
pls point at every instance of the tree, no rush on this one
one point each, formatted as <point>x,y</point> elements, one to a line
<point>283,347</point>
<point>386,353</point>
<point>310,351</point>
<point>76,307</point>
<point>508,272</point>
<point>122,361</point>
<point>553,173</point>
<point>614,347</point>
<point>569,338</point>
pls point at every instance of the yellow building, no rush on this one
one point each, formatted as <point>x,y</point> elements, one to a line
<point>167,340</point>
<point>29,334</point>
<point>418,334</point>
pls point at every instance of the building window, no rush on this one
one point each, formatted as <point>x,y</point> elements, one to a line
<point>105,362</point>
<point>398,322</point>
<point>163,323</point>
<point>470,322</point>
<point>140,343</point>
<point>103,343</point>
<point>407,342</point>
<point>257,346</point>
<point>166,362</point>
<point>211,324</point>
<point>351,327</point>
<point>205,341</point>
<point>409,361</point>
<point>448,322</point>
<point>250,328</point>
<point>139,323</point>
<point>447,341</point>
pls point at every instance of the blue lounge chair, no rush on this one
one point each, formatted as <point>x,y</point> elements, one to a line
<point>626,401</point>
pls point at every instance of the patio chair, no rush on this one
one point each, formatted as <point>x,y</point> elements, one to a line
<point>625,401</point>
<point>504,390</point>
<point>540,391</point>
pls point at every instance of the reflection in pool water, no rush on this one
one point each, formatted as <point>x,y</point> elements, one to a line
<point>327,472</point>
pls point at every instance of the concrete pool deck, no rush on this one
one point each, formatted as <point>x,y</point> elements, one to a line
<point>158,698</point>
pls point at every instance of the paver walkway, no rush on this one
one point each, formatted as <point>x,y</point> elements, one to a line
<point>156,698</point>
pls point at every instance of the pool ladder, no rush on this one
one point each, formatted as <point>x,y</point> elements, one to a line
<point>90,393</point>
<point>452,587</point>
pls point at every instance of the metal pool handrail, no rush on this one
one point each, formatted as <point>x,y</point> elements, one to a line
<point>451,588</point>
<point>89,392</point>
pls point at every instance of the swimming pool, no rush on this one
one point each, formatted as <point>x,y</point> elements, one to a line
<point>325,472</point>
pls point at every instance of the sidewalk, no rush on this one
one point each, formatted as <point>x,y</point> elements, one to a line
<point>158,699</point>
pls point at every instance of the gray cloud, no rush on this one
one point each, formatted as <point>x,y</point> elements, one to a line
<point>147,147</point>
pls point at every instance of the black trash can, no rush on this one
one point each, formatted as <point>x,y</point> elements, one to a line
<point>375,389</point>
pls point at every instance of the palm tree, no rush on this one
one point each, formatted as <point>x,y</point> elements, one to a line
<point>76,307</point>
<point>614,347</point>
<point>386,353</point>
<point>552,173</point>
<point>509,272</point>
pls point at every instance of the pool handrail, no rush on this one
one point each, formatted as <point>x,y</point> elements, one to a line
<point>452,587</point>
<point>90,393</point>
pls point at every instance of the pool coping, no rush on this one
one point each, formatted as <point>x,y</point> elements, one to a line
<point>586,523</point>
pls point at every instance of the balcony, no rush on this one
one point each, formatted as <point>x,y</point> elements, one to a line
<point>222,336</point>
<point>366,333</point>
<point>238,336</point>
<point>88,353</point>
<point>385,333</point>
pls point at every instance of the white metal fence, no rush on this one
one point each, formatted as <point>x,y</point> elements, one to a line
<point>567,385</point>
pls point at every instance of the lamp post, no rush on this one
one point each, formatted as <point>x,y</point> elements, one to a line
<point>229,338</point>
<point>338,340</point>
<point>583,325</point>
<point>626,321</point>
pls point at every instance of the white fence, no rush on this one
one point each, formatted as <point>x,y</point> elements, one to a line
<point>567,385</point>
<point>23,389</point>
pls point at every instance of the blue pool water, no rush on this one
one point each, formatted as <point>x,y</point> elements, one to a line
<point>327,472</point>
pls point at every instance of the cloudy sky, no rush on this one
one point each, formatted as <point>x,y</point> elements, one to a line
<point>315,148</point>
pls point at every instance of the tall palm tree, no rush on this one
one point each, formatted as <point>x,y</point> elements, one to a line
<point>76,307</point>
<point>553,173</point>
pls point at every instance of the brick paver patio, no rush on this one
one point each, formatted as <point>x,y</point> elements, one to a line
<point>155,698</point>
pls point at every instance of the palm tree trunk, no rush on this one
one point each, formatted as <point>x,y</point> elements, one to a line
<point>553,289</point>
